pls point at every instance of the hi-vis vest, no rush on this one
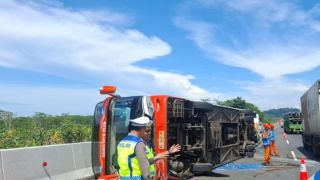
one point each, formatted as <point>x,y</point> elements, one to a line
<point>127,160</point>
<point>272,135</point>
<point>265,138</point>
<point>150,155</point>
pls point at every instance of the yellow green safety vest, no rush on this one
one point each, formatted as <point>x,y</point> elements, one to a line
<point>127,160</point>
<point>150,155</point>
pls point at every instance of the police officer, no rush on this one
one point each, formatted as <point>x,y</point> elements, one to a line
<point>150,151</point>
<point>132,153</point>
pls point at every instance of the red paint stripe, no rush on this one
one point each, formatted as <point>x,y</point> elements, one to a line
<point>103,136</point>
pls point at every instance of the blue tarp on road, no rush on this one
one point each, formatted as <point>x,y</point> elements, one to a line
<point>240,167</point>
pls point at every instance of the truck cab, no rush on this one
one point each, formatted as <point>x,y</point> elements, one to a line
<point>293,123</point>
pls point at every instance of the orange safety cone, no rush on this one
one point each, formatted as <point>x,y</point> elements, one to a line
<point>303,170</point>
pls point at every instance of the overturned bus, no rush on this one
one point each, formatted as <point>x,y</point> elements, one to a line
<point>210,135</point>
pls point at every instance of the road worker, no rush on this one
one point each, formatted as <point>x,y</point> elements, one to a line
<point>272,141</point>
<point>266,143</point>
<point>132,153</point>
<point>150,150</point>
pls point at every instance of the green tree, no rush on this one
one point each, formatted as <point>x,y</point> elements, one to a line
<point>240,103</point>
<point>39,119</point>
<point>7,117</point>
<point>54,137</point>
<point>43,129</point>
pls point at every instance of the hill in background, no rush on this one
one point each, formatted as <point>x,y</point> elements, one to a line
<point>276,113</point>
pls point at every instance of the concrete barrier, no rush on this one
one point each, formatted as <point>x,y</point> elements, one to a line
<point>64,161</point>
<point>1,169</point>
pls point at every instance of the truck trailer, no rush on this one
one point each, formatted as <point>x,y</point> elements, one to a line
<point>310,106</point>
<point>210,135</point>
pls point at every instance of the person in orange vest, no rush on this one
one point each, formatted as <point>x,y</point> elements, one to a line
<point>266,144</point>
<point>273,141</point>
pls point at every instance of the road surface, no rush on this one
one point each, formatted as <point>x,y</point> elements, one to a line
<point>286,166</point>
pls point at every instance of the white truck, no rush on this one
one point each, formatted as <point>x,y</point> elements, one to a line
<point>310,107</point>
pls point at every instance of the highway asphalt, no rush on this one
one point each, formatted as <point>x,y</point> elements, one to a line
<point>285,166</point>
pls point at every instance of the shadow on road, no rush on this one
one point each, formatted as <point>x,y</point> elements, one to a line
<point>308,154</point>
<point>215,174</point>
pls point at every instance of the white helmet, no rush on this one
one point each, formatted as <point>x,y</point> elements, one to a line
<point>141,122</point>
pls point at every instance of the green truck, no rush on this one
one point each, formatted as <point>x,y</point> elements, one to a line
<point>293,123</point>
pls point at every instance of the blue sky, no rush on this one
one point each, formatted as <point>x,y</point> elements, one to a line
<point>54,55</point>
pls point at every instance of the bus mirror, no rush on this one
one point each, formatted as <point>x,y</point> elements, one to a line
<point>107,89</point>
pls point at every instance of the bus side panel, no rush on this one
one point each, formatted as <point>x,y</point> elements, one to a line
<point>160,134</point>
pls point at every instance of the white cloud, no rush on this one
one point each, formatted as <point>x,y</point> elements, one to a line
<point>275,93</point>
<point>268,52</point>
<point>173,84</point>
<point>88,46</point>
<point>64,38</point>
<point>270,38</point>
<point>263,11</point>
<point>270,58</point>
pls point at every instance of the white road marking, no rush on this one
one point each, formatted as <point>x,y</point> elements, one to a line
<point>287,141</point>
<point>294,156</point>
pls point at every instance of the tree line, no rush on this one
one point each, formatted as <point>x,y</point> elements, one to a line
<point>237,102</point>
<point>43,129</point>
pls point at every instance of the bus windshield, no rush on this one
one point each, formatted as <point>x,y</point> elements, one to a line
<point>124,109</point>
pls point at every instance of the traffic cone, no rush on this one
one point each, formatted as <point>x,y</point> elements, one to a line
<point>303,170</point>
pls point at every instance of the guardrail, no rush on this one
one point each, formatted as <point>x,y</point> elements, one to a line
<point>63,161</point>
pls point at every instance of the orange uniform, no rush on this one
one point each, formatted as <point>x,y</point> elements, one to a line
<point>273,148</point>
<point>266,144</point>
<point>272,141</point>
